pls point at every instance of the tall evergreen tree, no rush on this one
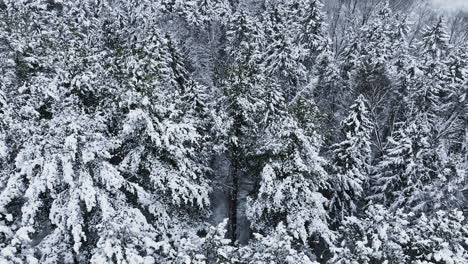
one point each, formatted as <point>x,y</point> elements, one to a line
<point>238,107</point>
<point>428,94</point>
<point>292,175</point>
<point>331,92</point>
<point>309,19</point>
<point>411,167</point>
<point>351,162</point>
<point>107,169</point>
<point>373,62</point>
<point>283,58</point>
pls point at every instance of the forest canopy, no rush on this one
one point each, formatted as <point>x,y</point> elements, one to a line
<point>233,131</point>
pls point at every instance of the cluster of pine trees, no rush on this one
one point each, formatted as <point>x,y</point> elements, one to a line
<point>320,137</point>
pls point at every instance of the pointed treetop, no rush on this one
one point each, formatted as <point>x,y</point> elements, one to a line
<point>435,40</point>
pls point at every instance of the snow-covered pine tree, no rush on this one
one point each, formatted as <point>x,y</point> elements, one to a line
<point>451,126</point>
<point>351,162</point>
<point>198,26</point>
<point>436,91</point>
<point>289,184</point>
<point>215,248</point>
<point>374,59</point>
<point>432,101</point>
<point>211,248</point>
<point>331,93</point>
<point>107,165</point>
<point>369,51</point>
<point>287,188</point>
<point>283,57</point>
<point>385,236</point>
<point>202,13</point>
<point>308,16</point>
<point>429,92</point>
<point>237,117</point>
<point>435,39</point>
<point>410,165</point>
<point>245,41</point>
<point>279,246</point>
<point>453,108</point>
<point>264,103</point>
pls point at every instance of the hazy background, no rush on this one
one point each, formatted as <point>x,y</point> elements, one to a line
<point>451,5</point>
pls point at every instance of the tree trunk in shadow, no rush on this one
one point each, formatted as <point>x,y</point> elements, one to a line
<point>233,202</point>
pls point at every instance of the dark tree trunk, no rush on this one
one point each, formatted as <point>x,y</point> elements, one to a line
<point>233,202</point>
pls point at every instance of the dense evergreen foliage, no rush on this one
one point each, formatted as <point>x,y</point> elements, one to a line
<point>320,131</point>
